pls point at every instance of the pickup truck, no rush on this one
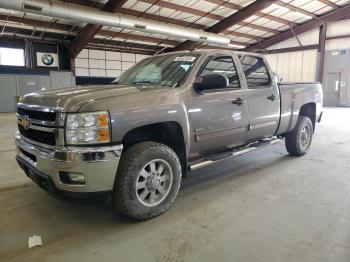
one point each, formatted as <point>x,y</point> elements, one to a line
<point>134,140</point>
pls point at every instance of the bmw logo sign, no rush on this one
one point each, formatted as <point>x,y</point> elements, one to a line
<point>47,59</point>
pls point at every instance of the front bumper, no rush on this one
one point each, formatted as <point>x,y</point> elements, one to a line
<point>51,166</point>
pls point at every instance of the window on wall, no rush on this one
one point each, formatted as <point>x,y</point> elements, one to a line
<point>255,71</point>
<point>98,63</point>
<point>11,56</point>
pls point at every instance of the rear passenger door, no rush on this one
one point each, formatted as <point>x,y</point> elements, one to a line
<point>263,97</point>
<point>217,120</point>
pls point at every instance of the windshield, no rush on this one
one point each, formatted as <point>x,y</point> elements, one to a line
<point>167,70</point>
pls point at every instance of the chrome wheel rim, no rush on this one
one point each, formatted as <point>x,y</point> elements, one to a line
<point>154,182</point>
<point>305,136</point>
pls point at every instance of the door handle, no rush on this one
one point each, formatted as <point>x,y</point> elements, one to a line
<point>237,101</point>
<point>271,97</point>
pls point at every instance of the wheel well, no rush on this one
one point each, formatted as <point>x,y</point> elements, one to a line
<point>167,133</point>
<point>309,110</point>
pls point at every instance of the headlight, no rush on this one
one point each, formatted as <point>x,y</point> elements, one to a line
<point>88,128</point>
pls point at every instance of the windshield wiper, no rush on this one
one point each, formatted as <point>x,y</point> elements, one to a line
<point>144,82</point>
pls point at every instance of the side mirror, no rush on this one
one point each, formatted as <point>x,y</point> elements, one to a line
<point>213,81</point>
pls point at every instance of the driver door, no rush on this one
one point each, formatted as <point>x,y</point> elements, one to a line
<point>217,121</point>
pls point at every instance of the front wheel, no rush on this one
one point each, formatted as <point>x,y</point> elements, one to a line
<point>298,141</point>
<point>148,180</point>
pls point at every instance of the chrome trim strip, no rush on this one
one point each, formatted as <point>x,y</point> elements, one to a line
<point>46,146</point>
<point>262,125</point>
<point>221,133</point>
<point>27,159</point>
<point>47,109</point>
<point>42,128</point>
<point>95,149</point>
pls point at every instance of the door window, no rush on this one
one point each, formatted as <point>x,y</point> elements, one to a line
<point>222,65</point>
<point>255,71</point>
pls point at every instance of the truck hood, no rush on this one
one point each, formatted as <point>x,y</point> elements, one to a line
<point>73,99</point>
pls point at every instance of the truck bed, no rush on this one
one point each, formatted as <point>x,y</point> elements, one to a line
<point>293,95</point>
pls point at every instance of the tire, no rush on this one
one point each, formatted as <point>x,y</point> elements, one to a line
<point>147,166</point>
<point>298,141</point>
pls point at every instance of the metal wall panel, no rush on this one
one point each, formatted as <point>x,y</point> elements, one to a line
<point>8,88</point>
<point>309,66</point>
<point>294,66</point>
<point>12,86</point>
<point>307,38</point>
<point>32,83</point>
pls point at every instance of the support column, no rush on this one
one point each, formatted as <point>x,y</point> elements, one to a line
<point>72,64</point>
<point>322,49</point>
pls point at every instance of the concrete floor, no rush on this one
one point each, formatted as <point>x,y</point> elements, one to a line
<point>263,206</point>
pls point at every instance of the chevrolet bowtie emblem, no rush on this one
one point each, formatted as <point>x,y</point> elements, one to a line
<point>24,121</point>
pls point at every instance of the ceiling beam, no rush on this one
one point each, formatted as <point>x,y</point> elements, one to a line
<point>329,3</point>
<point>230,21</point>
<point>120,49</point>
<point>90,30</point>
<point>260,14</point>
<point>296,9</point>
<point>314,23</point>
<point>338,37</point>
<point>188,24</point>
<point>35,23</point>
<point>290,49</point>
<point>213,16</point>
<point>193,25</point>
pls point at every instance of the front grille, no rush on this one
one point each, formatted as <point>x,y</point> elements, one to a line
<point>38,136</point>
<point>37,115</point>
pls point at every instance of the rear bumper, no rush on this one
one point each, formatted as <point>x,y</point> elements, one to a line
<point>50,168</point>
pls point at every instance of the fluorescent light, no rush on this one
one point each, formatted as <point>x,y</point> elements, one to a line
<point>236,46</point>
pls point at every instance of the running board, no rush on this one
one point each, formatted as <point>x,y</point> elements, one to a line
<point>235,152</point>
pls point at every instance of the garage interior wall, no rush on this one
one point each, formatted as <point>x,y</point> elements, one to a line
<point>19,80</point>
<point>299,65</point>
<point>98,63</point>
<point>302,65</point>
<point>338,28</point>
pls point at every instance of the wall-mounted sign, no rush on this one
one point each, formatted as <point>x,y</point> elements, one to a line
<point>47,59</point>
<point>335,52</point>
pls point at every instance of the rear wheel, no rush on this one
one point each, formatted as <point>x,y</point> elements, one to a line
<point>148,180</point>
<point>298,141</point>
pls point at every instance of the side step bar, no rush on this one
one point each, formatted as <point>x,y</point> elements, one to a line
<point>235,152</point>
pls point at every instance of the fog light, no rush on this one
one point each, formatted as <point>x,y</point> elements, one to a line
<point>76,178</point>
<point>72,178</point>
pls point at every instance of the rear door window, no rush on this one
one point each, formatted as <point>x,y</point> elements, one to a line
<point>255,71</point>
